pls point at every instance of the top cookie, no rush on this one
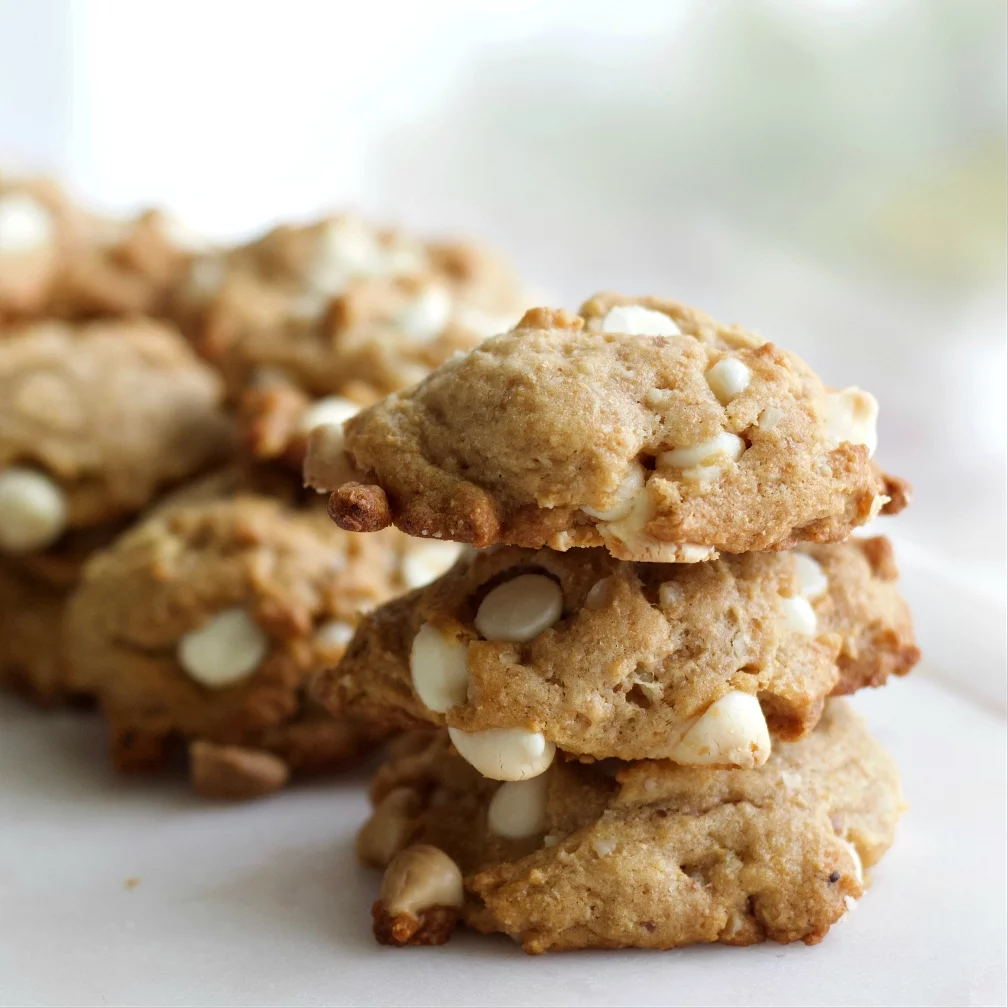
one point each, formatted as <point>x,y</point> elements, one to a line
<point>57,261</point>
<point>641,425</point>
<point>338,304</point>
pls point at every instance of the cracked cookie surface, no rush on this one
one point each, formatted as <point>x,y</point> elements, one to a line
<point>640,424</point>
<point>340,303</point>
<point>609,658</point>
<point>204,624</point>
<point>654,855</point>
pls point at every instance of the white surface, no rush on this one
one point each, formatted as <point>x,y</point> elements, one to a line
<point>263,903</point>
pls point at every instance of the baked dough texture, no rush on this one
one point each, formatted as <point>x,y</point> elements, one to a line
<point>639,650</point>
<point>654,855</point>
<point>339,303</point>
<point>299,580</point>
<point>31,659</point>
<point>113,411</point>
<point>563,433</point>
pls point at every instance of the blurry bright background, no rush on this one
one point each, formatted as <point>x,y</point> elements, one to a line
<point>829,172</point>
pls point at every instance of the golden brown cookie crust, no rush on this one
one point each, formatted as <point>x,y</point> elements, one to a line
<point>339,302</point>
<point>112,411</point>
<point>172,574</point>
<point>630,663</point>
<point>538,436</point>
<point>653,855</point>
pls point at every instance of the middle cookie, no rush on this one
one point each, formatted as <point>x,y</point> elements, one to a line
<point>519,651</point>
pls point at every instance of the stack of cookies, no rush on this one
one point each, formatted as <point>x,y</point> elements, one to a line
<point>621,702</point>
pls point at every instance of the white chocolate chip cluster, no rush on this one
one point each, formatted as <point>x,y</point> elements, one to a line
<point>339,304</point>
<point>516,610</point>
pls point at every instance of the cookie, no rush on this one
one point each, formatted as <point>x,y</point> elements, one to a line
<point>58,261</point>
<point>520,651</point>
<point>644,855</point>
<point>203,625</point>
<point>640,425</point>
<point>339,303</point>
<point>31,660</point>
<point>97,419</point>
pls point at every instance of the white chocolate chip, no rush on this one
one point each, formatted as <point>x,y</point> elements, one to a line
<point>732,730</point>
<point>520,609</point>
<point>223,651</point>
<point>856,858</point>
<point>799,615</point>
<point>334,634</point>
<point>25,225</point>
<point>852,415</point>
<point>669,593</point>
<point>728,378</point>
<point>812,581</point>
<point>206,276</point>
<point>334,410</point>
<point>438,667</point>
<point>769,418</point>
<point>625,497</point>
<point>603,846</point>
<point>427,315</point>
<point>635,320</point>
<point>419,878</point>
<point>629,535</point>
<point>508,754</point>
<point>390,827</point>
<point>345,249</point>
<point>32,510</point>
<point>518,808</point>
<point>426,560</point>
<point>879,501</point>
<point>725,446</point>
<point>326,467</point>
<point>597,594</point>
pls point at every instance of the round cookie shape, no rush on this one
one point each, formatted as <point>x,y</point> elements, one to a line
<point>95,420</point>
<point>662,442</point>
<point>205,622</point>
<point>650,854</point>
<point>339,302</point>
<point>58,261</point>
<point>696,663</point>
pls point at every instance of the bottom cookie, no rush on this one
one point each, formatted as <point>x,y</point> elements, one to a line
<point>645,854</point>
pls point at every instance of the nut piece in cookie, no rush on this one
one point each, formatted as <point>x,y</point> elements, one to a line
<point>640,425</point>
<point>205,623</point>
<point>420,900</point>
<point>339,303</point>
<point>653,855</point>
<point>521,652</point>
